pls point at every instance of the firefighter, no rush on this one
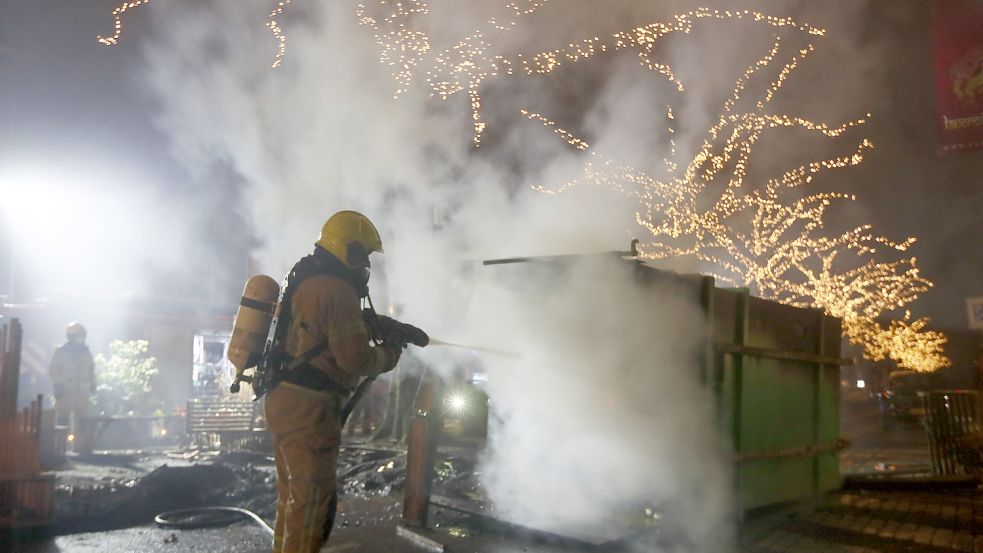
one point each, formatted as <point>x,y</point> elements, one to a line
<point>72,373</point>
<point>321,304</point>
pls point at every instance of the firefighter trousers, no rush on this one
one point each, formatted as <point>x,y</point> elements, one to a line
<point>306,431</point>
<point>71,406</point>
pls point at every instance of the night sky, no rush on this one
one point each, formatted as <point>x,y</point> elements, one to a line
<point>76,112</point>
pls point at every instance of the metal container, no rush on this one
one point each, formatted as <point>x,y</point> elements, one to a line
<point>773,370</point>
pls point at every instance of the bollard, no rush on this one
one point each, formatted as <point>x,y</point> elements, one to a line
<point>420,455</point>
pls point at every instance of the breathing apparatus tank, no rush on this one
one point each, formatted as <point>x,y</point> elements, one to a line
<point>252,325</point>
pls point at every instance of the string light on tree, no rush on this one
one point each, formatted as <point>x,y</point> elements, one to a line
<point>466,65</point>
<point>118,22</point>
<point>519,9</point>
<point>274,25</point>
<point>770,237</point>
<point>401,48</point>
<point>641,38</point>
<point>569,138</point>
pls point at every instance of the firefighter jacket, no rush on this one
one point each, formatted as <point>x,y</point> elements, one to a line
<point>72,369</point>
<point>325,306</point>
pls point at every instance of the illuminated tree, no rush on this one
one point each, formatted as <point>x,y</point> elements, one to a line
<point>124,380</point>
<point>769,236</point>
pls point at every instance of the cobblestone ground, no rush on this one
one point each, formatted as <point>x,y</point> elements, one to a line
<point>888,521</point>
<point>882,520</point>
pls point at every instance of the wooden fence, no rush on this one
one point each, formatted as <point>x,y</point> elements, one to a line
<point>26,493</point>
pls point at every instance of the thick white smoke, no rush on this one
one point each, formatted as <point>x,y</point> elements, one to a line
<point>602,414</point>
<point>604,411</point>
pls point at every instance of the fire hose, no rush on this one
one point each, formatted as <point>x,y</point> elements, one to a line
<point>399,334</point>
<point>208,517</point>
<point>396,333</point>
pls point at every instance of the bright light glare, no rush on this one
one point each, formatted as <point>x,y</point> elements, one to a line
<point>163,432</point>
<point>44,208</point>
<point>861,384</point>
<point>457,403</point>
<point>71,437</point>
<point>30,201</point>
<point>75,216</point>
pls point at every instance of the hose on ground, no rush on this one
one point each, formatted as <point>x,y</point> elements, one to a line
<point>208,517</point>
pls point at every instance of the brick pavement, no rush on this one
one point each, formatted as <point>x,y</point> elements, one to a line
<point>882,521</point>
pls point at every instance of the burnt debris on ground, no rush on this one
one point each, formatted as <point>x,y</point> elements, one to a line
<point>120,502</point>
<point>111,491</point>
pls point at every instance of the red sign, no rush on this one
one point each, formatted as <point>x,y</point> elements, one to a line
<point>958,73</point>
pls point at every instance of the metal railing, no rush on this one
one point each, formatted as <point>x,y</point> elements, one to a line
<point>955,430</point>
<point>221,422</point>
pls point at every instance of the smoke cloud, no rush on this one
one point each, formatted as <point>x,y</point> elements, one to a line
<point>603,412</point>
<point>603,415</point>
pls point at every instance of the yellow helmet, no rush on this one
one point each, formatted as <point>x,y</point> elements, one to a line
<point>350,237</point>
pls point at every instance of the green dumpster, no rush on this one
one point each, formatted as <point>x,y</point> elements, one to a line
<point>773,370</point>
<point>776,377</point>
